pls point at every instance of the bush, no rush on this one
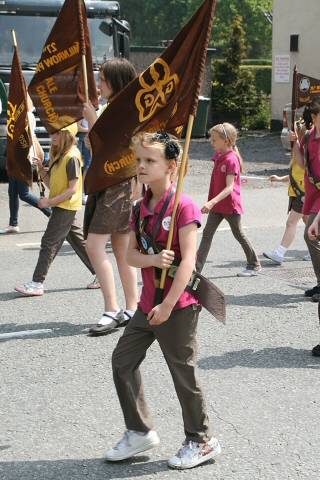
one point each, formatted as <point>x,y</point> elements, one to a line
<point>262,76</point>
<point>262,118</point>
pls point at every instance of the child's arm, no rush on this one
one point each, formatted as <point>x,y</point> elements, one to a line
<point>90,114</point>
<point>137,259</point>
<point>188,248</point>
<point>314,230</point>
<point>276,178</point>
<point>297,157</point>
<point>222,195</point>
<point>53,202</point>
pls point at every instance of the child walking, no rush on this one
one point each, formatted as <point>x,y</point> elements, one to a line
<point>173,322</point>
<point>111,217</point>
<point>314,235</point>
<point>296,192</point>
<point>307,153</point>
<point>64,180</point>
<point>224,199</point>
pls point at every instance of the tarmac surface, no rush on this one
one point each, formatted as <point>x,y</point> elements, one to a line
<point>58,407</point>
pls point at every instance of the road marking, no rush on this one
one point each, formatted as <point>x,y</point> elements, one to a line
<point>25,333</point>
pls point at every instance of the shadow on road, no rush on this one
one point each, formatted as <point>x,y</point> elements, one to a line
<point>59,329</point>
<point>92,469</point>
<point>278,357</point>
<point>272,300</point>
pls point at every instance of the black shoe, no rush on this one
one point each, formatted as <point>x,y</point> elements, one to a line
<point>316,351</point>
<point>316,298</point>
<point>118,321</point>
<point>312,291</point>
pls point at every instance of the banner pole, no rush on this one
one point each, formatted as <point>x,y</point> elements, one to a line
<point>182,171</point>
<point>85,77</point>
<point>14,38</point>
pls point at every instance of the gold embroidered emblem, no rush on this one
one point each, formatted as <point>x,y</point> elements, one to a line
<point>156,95</point>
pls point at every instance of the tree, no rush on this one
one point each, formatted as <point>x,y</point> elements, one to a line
<point>156,20</point>
<point>234,95</point>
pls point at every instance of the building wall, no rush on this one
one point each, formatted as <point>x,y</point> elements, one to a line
<point>294,17</point>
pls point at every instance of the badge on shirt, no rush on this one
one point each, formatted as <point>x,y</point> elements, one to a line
<point>166,223</point>
<point>223,168</point>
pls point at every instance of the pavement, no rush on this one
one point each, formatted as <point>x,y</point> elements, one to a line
<point>58,408</point>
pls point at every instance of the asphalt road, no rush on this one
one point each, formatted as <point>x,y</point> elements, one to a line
<point>58,407</point>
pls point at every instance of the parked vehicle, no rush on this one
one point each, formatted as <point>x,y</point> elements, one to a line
<point>32,21</point>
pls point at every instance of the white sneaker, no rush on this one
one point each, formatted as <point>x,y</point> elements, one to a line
<point>249,272</point>
<point>274,256</point>
<point>132,443</point>
<point>31,289</point>
<point>306,258</point>
<point>10,229</point>
<point>192,454</point>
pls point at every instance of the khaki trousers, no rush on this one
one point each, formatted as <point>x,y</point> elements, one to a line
<point>177,340</point>
<point>313,247</point>
<point>62,225</point>
<point>213,222</point>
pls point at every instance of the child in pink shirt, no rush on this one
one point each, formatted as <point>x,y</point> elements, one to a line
<point>173,322</point>
<point>224,199</point>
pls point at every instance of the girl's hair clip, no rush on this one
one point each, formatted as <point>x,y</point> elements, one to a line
<point>172,148</point>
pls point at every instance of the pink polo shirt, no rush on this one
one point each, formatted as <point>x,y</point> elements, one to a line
<point>226,164</point>
<point>312,194</point>
<point>187,212</point>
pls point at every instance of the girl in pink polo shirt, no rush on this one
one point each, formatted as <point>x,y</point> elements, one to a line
<point>224,199</point>
<point>173,322</point>
<point>307,154</point>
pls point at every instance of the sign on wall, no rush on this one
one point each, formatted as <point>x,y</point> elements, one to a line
<point>282,68</point>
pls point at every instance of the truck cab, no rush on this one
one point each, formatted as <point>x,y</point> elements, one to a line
<point>32,21</point>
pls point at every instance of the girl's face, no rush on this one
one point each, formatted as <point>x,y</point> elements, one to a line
<point>152,166</point>
<point>104,87</point>
<point>218,142</point>
<point>316,119</point>
<point>55,138</point>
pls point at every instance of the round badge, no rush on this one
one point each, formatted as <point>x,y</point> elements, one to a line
<point>144,243</point>
<point>166,223</point>
<point>223,168</point>
<point>150,251</point>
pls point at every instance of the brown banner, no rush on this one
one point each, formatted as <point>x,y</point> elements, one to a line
<point>57,88</point>
<point>161,98</point>
<point>18,140</point>
<point>304,89</point>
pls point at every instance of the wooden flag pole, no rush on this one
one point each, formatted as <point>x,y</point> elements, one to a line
<point>83,51</point>
<point>26,105</point>
<point>85,77</point>
<point>182,170</point>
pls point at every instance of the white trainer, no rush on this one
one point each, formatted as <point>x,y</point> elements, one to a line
<point>274,256</point>
<point>10,229</point>
<point>132,443</point>
<point>249,272</point>
<point>192,454</point>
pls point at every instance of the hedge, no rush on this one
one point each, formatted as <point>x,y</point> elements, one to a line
<point>262,74</point>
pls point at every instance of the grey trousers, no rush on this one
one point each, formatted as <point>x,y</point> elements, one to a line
<point>313,247</point>
<point>213,222</point>
<point>177,340</point>
<point>62,225</point>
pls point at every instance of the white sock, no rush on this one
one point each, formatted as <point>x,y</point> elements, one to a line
<point>107,320</point>
<point>281,250</point>
<point>130,312</point>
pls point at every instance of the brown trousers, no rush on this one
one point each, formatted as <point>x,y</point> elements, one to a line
<point>213,222</point>
<point>177,340</point>
<point>313,247</point>
<point>62,225</point>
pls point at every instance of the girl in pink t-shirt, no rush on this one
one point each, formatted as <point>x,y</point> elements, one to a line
<point>173,322</point>
<point>224,199</point>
